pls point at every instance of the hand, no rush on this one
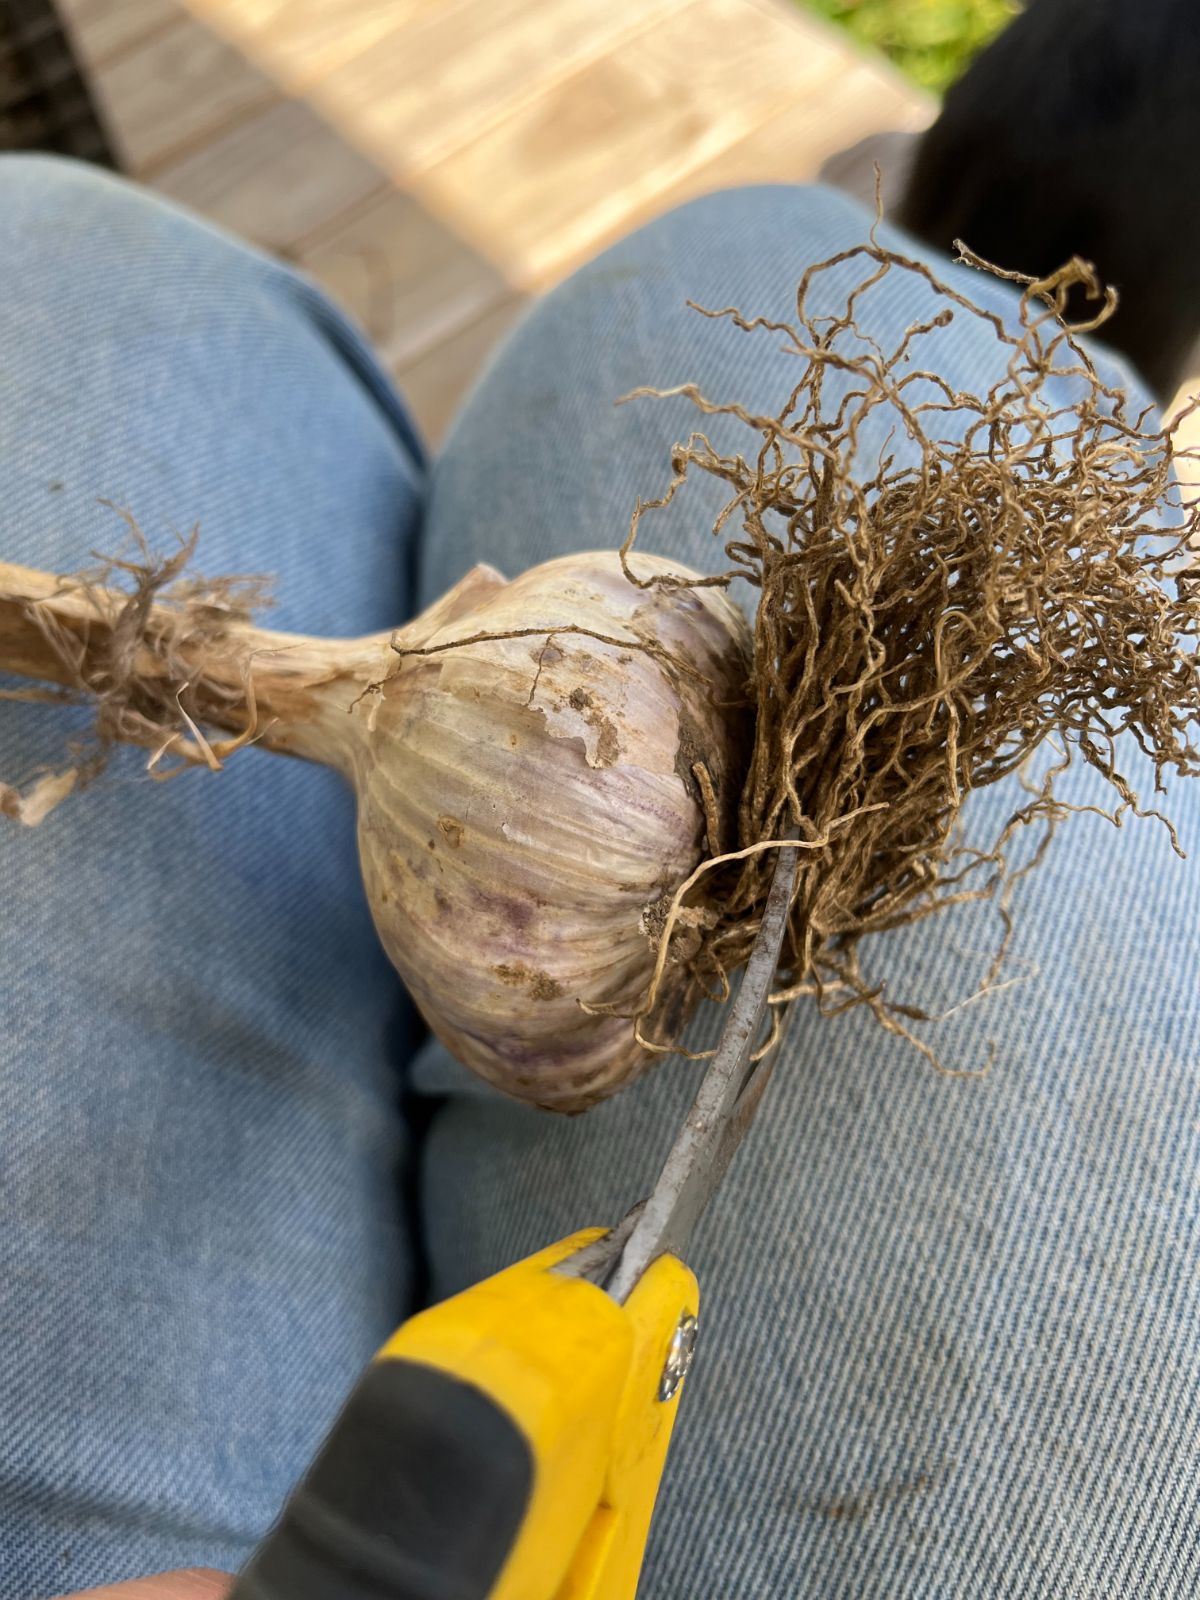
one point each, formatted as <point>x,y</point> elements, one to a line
<point>195,1583</point>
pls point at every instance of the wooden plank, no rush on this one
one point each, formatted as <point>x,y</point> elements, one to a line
<point>574,168</point>
<point>794,148</point>
<point>438,82</point>
<point>528,132</point>
<point>404,276</point>
<point>300,41</point>
<point>435,383</point>
<point>102,29</point>
<point>180,86</point>
<point>276,178</point>
<point>794,145</point>
<point>849,98</point>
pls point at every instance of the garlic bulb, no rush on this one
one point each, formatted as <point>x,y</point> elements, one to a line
<point>544,805</point>
<point>526,802</point>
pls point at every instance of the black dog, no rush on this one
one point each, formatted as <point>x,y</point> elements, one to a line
<point>1077,132</point>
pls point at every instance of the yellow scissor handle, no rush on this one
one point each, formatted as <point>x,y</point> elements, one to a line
<point>505,1445</point>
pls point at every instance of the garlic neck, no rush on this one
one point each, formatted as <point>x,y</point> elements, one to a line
<point>289,692</point>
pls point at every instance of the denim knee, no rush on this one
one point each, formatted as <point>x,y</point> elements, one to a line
<point>54,181</point>
<point>65,203</point>
<point>158,363</point>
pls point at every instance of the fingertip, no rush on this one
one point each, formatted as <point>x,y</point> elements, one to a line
<point>188,1583</point>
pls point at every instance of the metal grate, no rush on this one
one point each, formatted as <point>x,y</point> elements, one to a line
<point>45,103</point>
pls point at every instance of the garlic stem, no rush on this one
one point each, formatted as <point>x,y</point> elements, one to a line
<point>290,691</point>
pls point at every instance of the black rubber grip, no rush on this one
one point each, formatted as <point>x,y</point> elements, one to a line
<point>418,1493</point>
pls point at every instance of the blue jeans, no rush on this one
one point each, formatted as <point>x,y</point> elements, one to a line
<point>952,1328</point>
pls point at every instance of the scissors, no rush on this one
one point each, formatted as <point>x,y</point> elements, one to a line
<point>508,1443</point>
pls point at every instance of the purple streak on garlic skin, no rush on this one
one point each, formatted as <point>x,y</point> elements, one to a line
<point>543,802</point>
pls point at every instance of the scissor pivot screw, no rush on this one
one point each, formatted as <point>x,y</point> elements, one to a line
<point>679,1356</point>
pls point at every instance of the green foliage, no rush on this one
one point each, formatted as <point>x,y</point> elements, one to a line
<point>931,40</point>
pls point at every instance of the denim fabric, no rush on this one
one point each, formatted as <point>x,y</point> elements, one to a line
<point>950,1342</point>
<point>950,1337</point>
<point>201,1137</point>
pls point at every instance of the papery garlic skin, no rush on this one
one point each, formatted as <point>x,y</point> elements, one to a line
<point>527,806</point>
<point>544,804</point>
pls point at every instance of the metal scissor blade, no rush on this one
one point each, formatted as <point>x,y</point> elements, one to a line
<point>723,1108</point>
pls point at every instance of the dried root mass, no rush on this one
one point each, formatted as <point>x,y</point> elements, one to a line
<point>921,632</point>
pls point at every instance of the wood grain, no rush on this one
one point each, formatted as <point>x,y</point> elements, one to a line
<point>411,281</point>
<point>435,162</point>
<point>181,86</point>
<point>276,178</point>
<point>102,29</point>
<point>298,42</point>
<point>793,146</point>
<point>578,165</point>
<point>440,80</point>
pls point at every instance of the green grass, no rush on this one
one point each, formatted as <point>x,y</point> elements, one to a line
<point>931,40</point>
